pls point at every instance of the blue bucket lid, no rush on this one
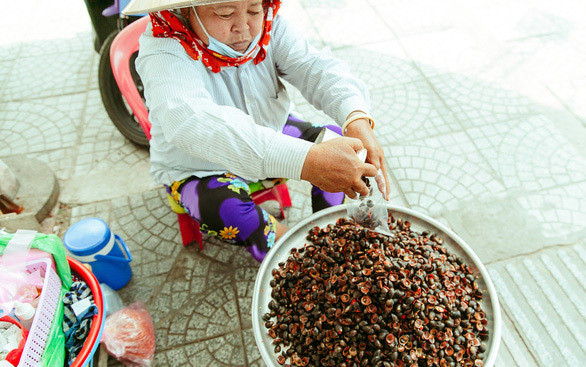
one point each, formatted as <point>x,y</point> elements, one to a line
<point>87,236</point>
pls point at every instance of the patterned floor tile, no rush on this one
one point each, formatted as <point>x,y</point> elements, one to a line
<point>72,44</point>
<point>513,350</point>
<point>436,174</point>
<point>94,74</point>
<point>560,212</point>
<point>453,50</point>
<point>301,200</point>
<point>471,101</point>
<point>153,244</point>
<point>212,315</point>
<point>150,230</point>
<point>100,210</point>
<point>61,161</point>
<point>191,277</point>
<point>544,295</point>
<point>384,71</point>
<point>507,68</point>
<point>539,58</point>
<point>521,223</point>
<point>572,94</point>
<point>477,102</point>
<point>406,17</point>
<point>219,251</point>
<point>190,310</point>
<point>497,228</point>
<point>41,125</point>
<point>252,353</point>
<point>529,153</point>
<point>54,74</point>
<point>5,68</point>
<point>102,145</point>
<point>141,289</point>
<point>226,351</point>
<point>550,67</point>
<point>299,18</point>
<point>410,111</point>
<point>107,184</point>
<point>9,50</point>
<point>380,65</point>
<point>343,23</point>
<point>11,43</point>
<point>521,84</point>
<point>509,21</point>
<point>245,271</point>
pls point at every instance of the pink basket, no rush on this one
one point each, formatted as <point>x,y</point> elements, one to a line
<point>41,326</point>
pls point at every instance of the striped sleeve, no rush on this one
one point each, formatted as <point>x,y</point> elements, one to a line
<point>191,121</point>
<point>325,81</point>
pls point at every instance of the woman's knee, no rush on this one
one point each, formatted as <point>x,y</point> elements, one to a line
<point>240,213</point>
<point>202,197</point>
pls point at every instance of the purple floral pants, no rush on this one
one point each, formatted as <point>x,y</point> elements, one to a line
<point>223,207</point>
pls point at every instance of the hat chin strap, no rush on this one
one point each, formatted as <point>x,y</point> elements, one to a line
<point>200,23</point>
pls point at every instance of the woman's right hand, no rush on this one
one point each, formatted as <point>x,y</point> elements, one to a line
<point>333,166</point>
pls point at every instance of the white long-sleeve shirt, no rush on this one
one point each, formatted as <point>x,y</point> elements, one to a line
<point>206,123</point>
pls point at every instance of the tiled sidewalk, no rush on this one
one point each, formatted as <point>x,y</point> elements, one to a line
<point>480,107</point>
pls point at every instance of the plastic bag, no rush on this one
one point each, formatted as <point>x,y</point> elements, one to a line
<point>370,211</point>
<point>16,284</point>
<point>12,346</point>
<point>112,301</point>
<point>54,353</point>
<point>129,336</point>
<point>23,312</point>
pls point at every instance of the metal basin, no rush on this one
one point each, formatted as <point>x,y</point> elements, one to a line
<point>295,237</point>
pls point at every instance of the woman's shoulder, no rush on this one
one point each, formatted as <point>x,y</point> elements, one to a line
<point>150,44</point>
<point>280,24</point>
<point>283,31</point>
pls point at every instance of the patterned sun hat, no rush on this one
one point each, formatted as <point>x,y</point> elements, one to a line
<point>149,6</point>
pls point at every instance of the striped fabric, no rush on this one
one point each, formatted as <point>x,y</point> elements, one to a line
<point>206,123</point>
<point>77,328</point>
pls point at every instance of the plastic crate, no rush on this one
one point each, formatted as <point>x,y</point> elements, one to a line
<point>41,326</point>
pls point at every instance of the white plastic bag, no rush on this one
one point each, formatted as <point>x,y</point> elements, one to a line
<point>16,284</point>
<point>370,211</point>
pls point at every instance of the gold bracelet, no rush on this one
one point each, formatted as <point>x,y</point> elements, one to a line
<point>357,117</point>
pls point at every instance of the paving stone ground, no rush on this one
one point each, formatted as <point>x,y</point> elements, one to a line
<point>480,109</point>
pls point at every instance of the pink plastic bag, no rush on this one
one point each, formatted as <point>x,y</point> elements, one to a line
<point>16,284</point>
<point>129,336</point>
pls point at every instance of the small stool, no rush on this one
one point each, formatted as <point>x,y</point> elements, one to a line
<point>189,228</point>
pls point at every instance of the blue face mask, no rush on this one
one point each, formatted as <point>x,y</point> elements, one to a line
<point>223,48</point>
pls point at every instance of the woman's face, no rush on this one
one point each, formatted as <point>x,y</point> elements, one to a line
<point>234,24</point>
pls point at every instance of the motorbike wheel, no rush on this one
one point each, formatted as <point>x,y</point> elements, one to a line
<point>117,108</point>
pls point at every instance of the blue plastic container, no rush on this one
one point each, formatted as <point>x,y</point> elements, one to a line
<point>90,241</point>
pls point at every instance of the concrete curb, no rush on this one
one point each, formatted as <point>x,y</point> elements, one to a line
<point>39,188</point>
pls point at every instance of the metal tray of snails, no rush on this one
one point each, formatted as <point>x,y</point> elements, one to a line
<point>406,351</point>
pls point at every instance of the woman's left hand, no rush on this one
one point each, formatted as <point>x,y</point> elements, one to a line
<point>361,129</point>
